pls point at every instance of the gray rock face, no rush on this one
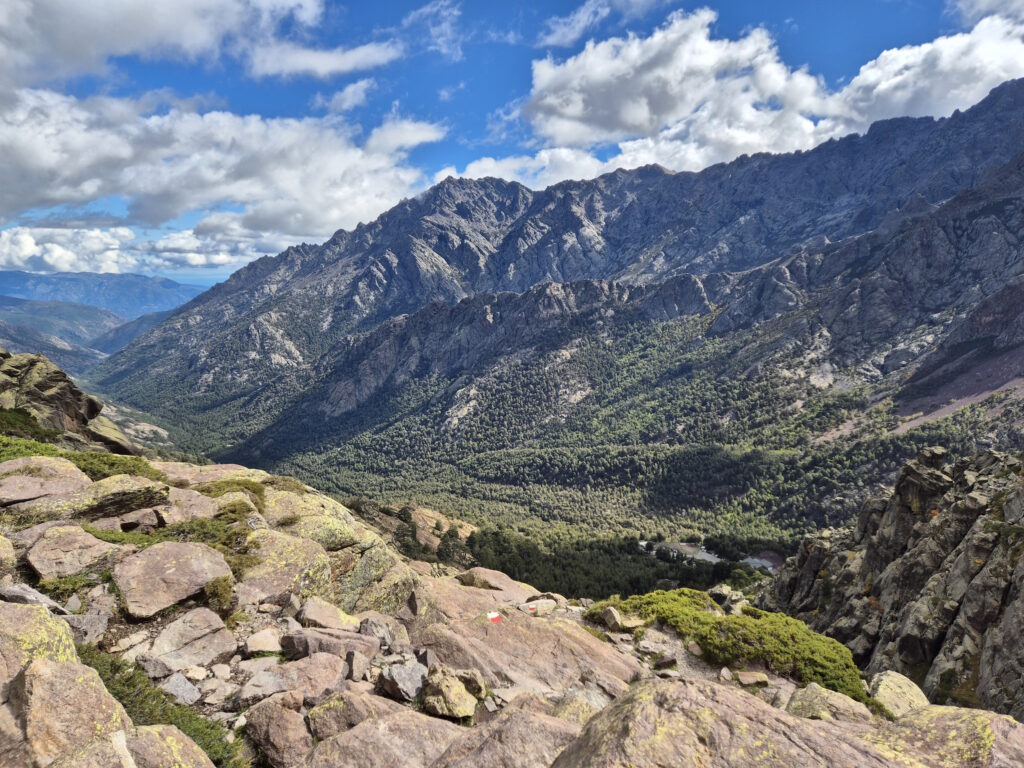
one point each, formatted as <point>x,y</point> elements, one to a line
<point>926,583</point>
<point>403,681</point>
<point>67,550</point>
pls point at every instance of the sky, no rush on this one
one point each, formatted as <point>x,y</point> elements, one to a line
<point>187,137</point>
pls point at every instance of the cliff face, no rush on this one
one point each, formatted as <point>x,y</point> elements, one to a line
<point>35,385</point>
<point>928,582</point>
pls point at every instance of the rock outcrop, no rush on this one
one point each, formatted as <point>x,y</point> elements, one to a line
<point>927,581</point>
<point>37,386</point>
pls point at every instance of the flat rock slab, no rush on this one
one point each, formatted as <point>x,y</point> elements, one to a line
<point>305,642</point>
<point>65,550</point>
<point>165,574</point>
<point>408,739</point>
<point>179,472</point>
<point>311,677</point>
<point>347,709</point>
<point>31,478</point>
<point>516,737</point>
<point>320,614</point>
<point>185,505</point>
<point>199,638</point>
<point>112,496</point>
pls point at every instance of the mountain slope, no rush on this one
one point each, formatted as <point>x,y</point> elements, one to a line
<point>120,336</point>
<point>126,295</point>
<point>72,357</point>
<point>771,325</point>
<point>74,323</point>
<point>267,325</point>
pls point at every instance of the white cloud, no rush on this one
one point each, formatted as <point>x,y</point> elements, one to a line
<point>67,250</point>
<point>564,31</point>
<point>284,58</point>
<point>351,96</point>
<point>448,93</point>
<point>686,99</point>
<point>441,18</point>
<point>972,11</point>
<point>42,40</point>
<point>283,179</point>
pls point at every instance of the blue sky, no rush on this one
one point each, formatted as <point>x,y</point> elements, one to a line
<point>187,137</point>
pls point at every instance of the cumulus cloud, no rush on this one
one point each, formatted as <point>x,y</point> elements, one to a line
<point>686,99</point>
<point>285,179</point>
<point>351,96</point>
<point>42,40</point>
<point>563,31</point>
<point>67,250</point>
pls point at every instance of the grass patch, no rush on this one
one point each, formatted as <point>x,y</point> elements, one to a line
<point>63,587</point>
<point>95,464</point>
<point>783,644</point>
<point>146,704</point>
<point>286,483</point>
<point>218,594</point>
<point>217,488</point>
<point>227,533</point>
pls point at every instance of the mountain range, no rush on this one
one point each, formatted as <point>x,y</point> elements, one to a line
<point>586,357</point>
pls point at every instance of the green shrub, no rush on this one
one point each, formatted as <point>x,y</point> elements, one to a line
<point>146,704</point>
<point>18,422</point>
<point>783,644</point>
<point>218,594</point>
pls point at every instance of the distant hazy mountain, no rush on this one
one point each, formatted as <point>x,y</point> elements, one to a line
<point>75,323</point>
<point>73,358</point>
<point>126,295</point>
<point>120,336</point>
<point>719,351</point>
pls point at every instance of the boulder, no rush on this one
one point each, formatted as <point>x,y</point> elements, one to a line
<point>540,607</point>
<point>31,478</point>
<point>389,631</point>
<point>817,703</point>
<point>265,641</point>
<point>311,677</point>
<point>408,739</point>
<point>26,595</point>
<point>8,559</point>
<point>279,730</point>
<point>404,681</point>
<point>108,497</point>
<point>198,638</point>
<point>165,574</point>
<point>185,505</point>
<point>287,566</point>
<point>65,550</point>
<point>516,737</point>
<point>181,689</point>
<point>346,709</point>
<point>164,746</point>
<point>484,578</point>
<point>898,694</point>
<point>445,695</point>
<point>305,642</point>
<point>63,705</point>
<point>29,632</point>
<point>692,722</point>
<point>183,474</point>
<point>318,613</point>
<point>547,656</point>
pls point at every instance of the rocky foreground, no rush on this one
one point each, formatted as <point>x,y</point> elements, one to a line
<point>193,616</point>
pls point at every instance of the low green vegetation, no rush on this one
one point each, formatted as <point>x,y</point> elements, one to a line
<point>784,645</point>
<point>254,490</point>
<point>95,464</point>
<point>146,704</point>
<point>18,422</point>
<point>227,533</point>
